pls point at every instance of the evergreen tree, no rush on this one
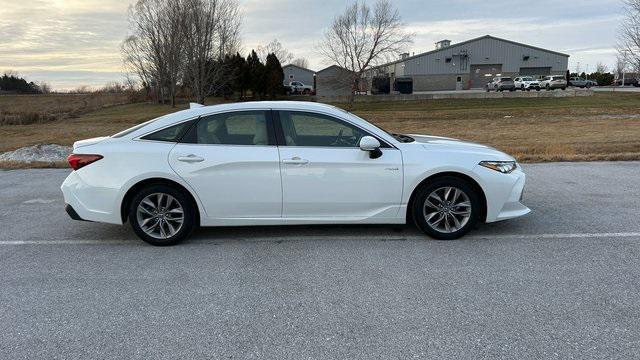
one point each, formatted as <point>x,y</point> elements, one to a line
<point>18,84</point>
<point>274,76</point>
<point>256,74</point>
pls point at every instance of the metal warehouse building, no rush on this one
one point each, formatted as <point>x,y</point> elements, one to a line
<point>472,63</point>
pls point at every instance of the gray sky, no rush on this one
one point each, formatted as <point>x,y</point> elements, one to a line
<point>69,43</point>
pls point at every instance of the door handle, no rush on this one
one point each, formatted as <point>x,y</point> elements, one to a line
<point>295,161</point>
<point>191,158</point>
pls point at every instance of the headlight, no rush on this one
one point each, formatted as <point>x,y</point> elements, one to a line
<point>504,167</point>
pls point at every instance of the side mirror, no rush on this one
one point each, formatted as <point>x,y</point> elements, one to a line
<point>372,145</point>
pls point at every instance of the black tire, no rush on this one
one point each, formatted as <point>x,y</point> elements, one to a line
<point>548,87</point>
<point>189,213</point>
<point>418,205</point>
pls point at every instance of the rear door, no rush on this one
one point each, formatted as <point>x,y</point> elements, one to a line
<point>325,175</point>
<point>232,162</point>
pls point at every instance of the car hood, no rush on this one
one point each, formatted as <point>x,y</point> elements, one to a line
<point>455,145</point>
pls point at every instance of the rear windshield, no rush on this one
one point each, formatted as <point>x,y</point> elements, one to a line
<point>132,129</point>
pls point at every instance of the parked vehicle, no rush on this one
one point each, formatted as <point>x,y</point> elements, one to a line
<point>297,87</point>
<point>501,84</point>
<point>580,82</point>
<point>553,82</point>
<point>526,83</point>
<point>285,163</point>
<point>629,81</point>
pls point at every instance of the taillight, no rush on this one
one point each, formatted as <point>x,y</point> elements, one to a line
<point>78,161</point>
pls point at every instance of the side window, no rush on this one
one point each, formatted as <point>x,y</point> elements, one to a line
<point>310,129</point>
<point>170,134</point>
<point>234,128</point>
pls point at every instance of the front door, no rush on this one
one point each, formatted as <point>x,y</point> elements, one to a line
<point>232,162</point>
<point>325,175</point>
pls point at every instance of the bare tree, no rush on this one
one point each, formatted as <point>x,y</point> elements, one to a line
<point>301,62</point>
<point>154,51</point>
<point>601,68</point>
<point>211,29</point>
<point>629,47</point>
<point>44,87</point>
<point>275,47</point>
<point>362,37</point>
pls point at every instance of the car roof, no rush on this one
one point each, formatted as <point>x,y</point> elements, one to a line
<point>196,112</point>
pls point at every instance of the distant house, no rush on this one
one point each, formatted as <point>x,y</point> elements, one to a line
<point>297,73</point>
<point>334,81</point>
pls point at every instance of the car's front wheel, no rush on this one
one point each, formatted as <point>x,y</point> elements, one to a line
<point>162,215</point>
<point>446,208</point>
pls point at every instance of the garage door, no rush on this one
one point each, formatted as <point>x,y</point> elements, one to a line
<point>482,74</point>
<point>535,71</point>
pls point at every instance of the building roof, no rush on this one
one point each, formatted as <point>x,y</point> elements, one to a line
<point>469,41</point>
<point>333,66</point>
<point>299,67</point>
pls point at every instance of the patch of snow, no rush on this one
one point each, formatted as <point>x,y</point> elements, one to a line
<point>44,153</point>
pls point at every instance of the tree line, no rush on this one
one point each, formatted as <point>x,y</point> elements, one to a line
<point>15,83</point>
<point>191,47</point>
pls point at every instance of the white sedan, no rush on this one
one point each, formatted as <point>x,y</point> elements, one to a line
<point>285,163</point>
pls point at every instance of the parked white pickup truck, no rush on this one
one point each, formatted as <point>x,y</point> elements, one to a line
<point>296,87</point>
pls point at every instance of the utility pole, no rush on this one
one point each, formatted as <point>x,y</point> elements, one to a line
<point>586,74</point>
<point>624,64</point>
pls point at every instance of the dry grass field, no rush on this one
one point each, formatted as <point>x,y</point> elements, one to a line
<point>33,109</point>
<point>603,127</point>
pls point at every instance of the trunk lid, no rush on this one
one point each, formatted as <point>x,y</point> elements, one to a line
<point>87,142</point>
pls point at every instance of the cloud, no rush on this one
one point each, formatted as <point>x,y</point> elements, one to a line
<point>77,42</point>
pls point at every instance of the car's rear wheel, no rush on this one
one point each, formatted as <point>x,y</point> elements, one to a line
<point>446,208</point>
<point>162,215</point>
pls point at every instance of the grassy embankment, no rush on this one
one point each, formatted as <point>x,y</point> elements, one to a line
<point>602,127</point>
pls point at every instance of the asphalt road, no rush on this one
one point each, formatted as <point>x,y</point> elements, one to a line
<point>561,283</point>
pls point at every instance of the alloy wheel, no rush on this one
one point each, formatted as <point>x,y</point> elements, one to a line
<point>160,215</point>
<point>447,209</point>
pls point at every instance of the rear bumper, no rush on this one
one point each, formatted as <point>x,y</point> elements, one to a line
<point>72,213</point>
<point>90,203</point>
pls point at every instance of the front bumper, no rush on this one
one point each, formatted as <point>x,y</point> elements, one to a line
<point>503,193</point>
